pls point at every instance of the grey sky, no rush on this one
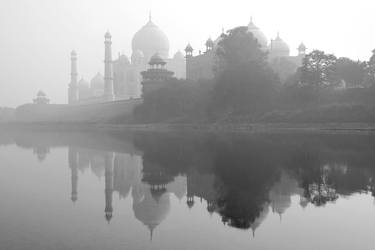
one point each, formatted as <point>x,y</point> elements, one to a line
<point>38,35</point>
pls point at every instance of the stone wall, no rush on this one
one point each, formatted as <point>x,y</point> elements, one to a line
<point>79,113</point>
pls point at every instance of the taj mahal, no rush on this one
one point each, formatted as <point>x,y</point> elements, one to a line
<point>124,77</point>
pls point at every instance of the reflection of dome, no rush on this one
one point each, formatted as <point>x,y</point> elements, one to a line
<point>150,39</point>
<point>178,187</point>
<point>279,46</point>
<point>281,192</point>
<point>123,175</point>
<point>259,220</point>
<point>97,165</point>
<point>151,212</point>
<point>97,82</point>
<point>258,34</point>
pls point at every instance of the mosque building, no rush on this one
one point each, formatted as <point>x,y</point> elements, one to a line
<point>122,76</point>
<point>200,67</point>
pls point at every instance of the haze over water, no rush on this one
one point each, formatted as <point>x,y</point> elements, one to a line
<point>105,190</point>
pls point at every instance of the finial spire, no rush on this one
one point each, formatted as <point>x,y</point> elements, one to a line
<point>149,16</point>
<point>222,30</point>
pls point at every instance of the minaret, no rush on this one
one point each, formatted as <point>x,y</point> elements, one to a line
<point>108,185</point>
<point>73,164</point>
<point>301,50</point>
<point>189,55</point>
<point>108,74</point>
<point>73,86</point>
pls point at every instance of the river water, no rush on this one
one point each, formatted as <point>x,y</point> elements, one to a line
<point>116,190</point>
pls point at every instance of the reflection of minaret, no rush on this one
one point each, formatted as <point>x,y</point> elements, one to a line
<point>190,193</point>
<point>108,186</point>
<point>73,164</point>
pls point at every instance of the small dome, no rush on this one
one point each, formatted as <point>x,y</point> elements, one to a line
<point>258,34</point>
<point>209,42</point>
<point>302,47</point>
<point>40,94</point>
<point>73,54</point>
<point>97,82</point>
<point>280,46</point>
<point>151,212</point>
<point>151,39</point>
<point>178,56</point>
<point>189,48</point>
<point>83,83</point>
<point>123,59</point>
<point>156,60</point>
<point>107,35</point>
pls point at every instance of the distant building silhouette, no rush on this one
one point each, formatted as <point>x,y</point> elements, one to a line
<point>73,85</point>
<point>201,66</point>
<point>41,98</point>
<point>122,77</point>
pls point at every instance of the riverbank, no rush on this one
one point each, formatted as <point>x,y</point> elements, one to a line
<point>211,128</point>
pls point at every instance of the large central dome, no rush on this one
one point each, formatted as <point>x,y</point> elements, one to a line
<point>258,34</point>
<point>150,39</point>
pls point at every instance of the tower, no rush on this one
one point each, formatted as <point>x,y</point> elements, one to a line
<point>156,76</point>
<point>302,50</point>
<point>73,86</point>
<point>209,45</point>
<point>189,51</point>
<point>108,74</point>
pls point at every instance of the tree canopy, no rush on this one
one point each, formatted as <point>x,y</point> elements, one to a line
<point>244,81</point>
<point>318,69</point>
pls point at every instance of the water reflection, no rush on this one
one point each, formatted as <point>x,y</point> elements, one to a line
<point>243,179</point>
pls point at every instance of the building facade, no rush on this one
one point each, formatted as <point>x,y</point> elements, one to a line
<point>201,66</point>
<point>122,76</point>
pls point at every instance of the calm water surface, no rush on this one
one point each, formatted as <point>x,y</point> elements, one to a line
<point>111,190</point>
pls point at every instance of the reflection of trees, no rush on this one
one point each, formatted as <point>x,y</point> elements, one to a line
<point>246,170</point>
<point>245,175</point>
<point>323,190</point>
<point>238,177</point>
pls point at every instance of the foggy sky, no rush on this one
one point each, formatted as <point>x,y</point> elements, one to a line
<point>38,35</point>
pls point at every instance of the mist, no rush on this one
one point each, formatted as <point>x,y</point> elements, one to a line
<point>37,36</point>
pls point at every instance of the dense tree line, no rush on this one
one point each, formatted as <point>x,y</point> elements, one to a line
<point>247,88</point>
